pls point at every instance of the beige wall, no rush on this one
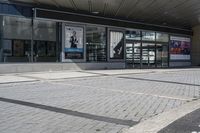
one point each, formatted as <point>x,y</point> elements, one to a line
<point>196,46</point>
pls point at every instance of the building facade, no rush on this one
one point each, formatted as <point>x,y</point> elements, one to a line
<point>31,35</point>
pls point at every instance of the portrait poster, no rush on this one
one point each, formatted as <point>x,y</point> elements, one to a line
<point>74,42</point>
<point>116,45</point>
<point>180,48</point>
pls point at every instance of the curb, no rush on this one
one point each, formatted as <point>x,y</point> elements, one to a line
<point>156,123</point>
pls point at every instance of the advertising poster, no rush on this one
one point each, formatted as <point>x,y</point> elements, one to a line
<point>180,48</point>
<point>73,48</point>
<point>116,45</point>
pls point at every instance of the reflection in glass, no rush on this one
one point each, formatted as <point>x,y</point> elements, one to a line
<point>15,35</point>
<point>148,36</point>
<point>129,51</point>
<point>16,50</point>
<point>44,51</point>
<point>16,28</point>
<point>162,37</point>
<point>133,55</point>
<point>133,35</point>
<point>96,43</point>
<point>44,30</point>
<point>148,54</point>
<point>162,55</point>
<point>45,47</point>
<point>116,45</point>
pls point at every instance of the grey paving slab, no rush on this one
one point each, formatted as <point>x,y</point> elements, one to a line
<point>14,79</point>
<point>90,104</point>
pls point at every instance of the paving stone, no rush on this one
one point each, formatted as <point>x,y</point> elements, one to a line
<point>114,98</point>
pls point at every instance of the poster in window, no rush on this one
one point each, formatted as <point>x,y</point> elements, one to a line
<point>116,45</point>
<point>73,48</point>
<point>180,48</point>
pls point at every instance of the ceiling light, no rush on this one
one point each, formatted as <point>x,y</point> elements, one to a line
<point>95,12</point>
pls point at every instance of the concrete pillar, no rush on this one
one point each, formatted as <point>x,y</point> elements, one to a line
<point>196,46</point>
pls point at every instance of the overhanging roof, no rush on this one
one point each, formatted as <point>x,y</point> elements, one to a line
<point>176,13</point>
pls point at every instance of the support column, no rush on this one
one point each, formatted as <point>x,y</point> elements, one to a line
<point>196,46</point>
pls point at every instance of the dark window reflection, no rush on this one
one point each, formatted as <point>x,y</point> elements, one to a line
<point>44,51</point>
<point>16,50</point>
<point>133,35</point>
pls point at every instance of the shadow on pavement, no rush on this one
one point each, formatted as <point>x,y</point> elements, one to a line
<point>187,124</point>
<point>71,112</point>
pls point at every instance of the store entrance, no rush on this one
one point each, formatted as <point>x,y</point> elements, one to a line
<point>146,55</point>
<point>133,55</point>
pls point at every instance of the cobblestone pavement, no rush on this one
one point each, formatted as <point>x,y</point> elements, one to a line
<point>98,104</point>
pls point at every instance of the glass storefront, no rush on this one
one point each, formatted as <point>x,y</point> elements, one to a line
<point>44,46</point>
<point>96,48</point>
<point>27,39</point>
<point>16,40</point>
<point>148,55</point>
<point>146,50</point>
<point>16,36</point>
<point>148,36</point>
<point>162,58</point>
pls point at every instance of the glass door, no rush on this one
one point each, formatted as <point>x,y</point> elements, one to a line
<point>137,55</point>
<point>129,55</point>
<point>162,55</point>
<point>148,55</point>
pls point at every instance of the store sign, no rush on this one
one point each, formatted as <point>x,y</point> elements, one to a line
<point>73,47</point>
<point>180,48</point>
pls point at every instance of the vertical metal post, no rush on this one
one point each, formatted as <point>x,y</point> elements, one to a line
<point>32,35</point>
<point>1,36</point>
<point>141,50</point>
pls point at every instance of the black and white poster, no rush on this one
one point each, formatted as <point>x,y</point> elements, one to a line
<point>116,45</point>
<point>74,42</point>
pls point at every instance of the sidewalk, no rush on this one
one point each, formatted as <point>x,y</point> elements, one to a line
<point>101,101</point>
<point>184,119</point>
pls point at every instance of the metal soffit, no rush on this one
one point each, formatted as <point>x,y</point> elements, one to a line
<point>176,13</point>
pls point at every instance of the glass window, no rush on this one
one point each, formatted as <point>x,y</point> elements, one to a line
<point>44,51</point>
<point>133,35</point>
<point>16,28</point>
<point>45,47</point>
<point>15,36</point>
<point>7,48</point>
<point>162,37</point>
<point>18,48</point>
<point>44,30</point>
<point>116,45</point>
<point>161,55</point>
<point>51,49</point>
<point>148,36</point>
<point>96,43</point>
